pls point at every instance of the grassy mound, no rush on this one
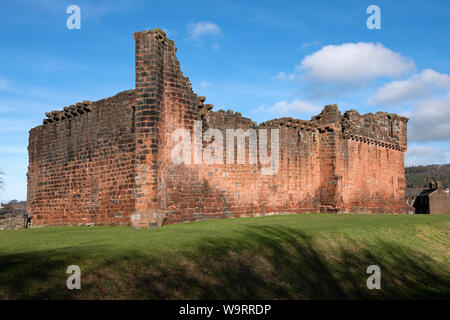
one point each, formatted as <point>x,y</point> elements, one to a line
<point>308,256</point>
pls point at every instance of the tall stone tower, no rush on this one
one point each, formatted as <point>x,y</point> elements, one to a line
<point>163,95</point>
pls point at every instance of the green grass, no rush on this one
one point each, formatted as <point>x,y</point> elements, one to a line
<point>308,256</point>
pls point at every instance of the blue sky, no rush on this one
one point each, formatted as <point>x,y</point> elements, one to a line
<point>266,59</point>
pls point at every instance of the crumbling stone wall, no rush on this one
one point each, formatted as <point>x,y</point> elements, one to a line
<point>81,164</point>
<point>109,162</point>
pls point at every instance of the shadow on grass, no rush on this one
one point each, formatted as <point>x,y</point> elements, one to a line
<point>261,263</point>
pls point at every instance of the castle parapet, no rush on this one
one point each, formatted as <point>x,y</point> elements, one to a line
<point>81,108</point>
<point>382,128</point>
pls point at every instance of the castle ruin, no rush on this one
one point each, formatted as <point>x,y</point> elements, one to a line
<point>109,162</point>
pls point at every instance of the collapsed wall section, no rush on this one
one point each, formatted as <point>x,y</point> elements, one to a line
<point>81,164</point>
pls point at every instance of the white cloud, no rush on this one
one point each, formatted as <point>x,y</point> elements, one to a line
<point>310,44</point>
<point>430,120</point>
<point>49,64</point>
<point>423,155</point>
<point>353,63</point>
<point>204,84</point>
<point>284,76</point>
<point>169,32</point>
<point>420,85</point>
<point>285,108</point>
<point>203,28</point>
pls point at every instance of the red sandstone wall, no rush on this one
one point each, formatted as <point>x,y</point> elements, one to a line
<point>373,173</point>
<point>202,191</point>
<point>373,179</point>
<point>81,169</point>
<point>169,193</point>
<point>113,165</point>
<point>164,101</point>
<point>317,168</point>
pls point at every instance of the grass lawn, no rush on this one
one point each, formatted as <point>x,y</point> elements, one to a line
<point>306,256</point>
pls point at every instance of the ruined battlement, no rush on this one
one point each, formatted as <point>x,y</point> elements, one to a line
<point>84,107</point>
<point>381,128</point>
<point>111,162</point>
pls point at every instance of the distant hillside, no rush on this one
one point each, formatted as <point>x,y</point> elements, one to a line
<point>416,177</point>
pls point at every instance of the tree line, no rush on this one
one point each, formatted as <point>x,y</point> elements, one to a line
<point>418,176</point>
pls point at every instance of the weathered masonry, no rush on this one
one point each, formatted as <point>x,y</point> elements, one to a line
<point>109,162</point>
